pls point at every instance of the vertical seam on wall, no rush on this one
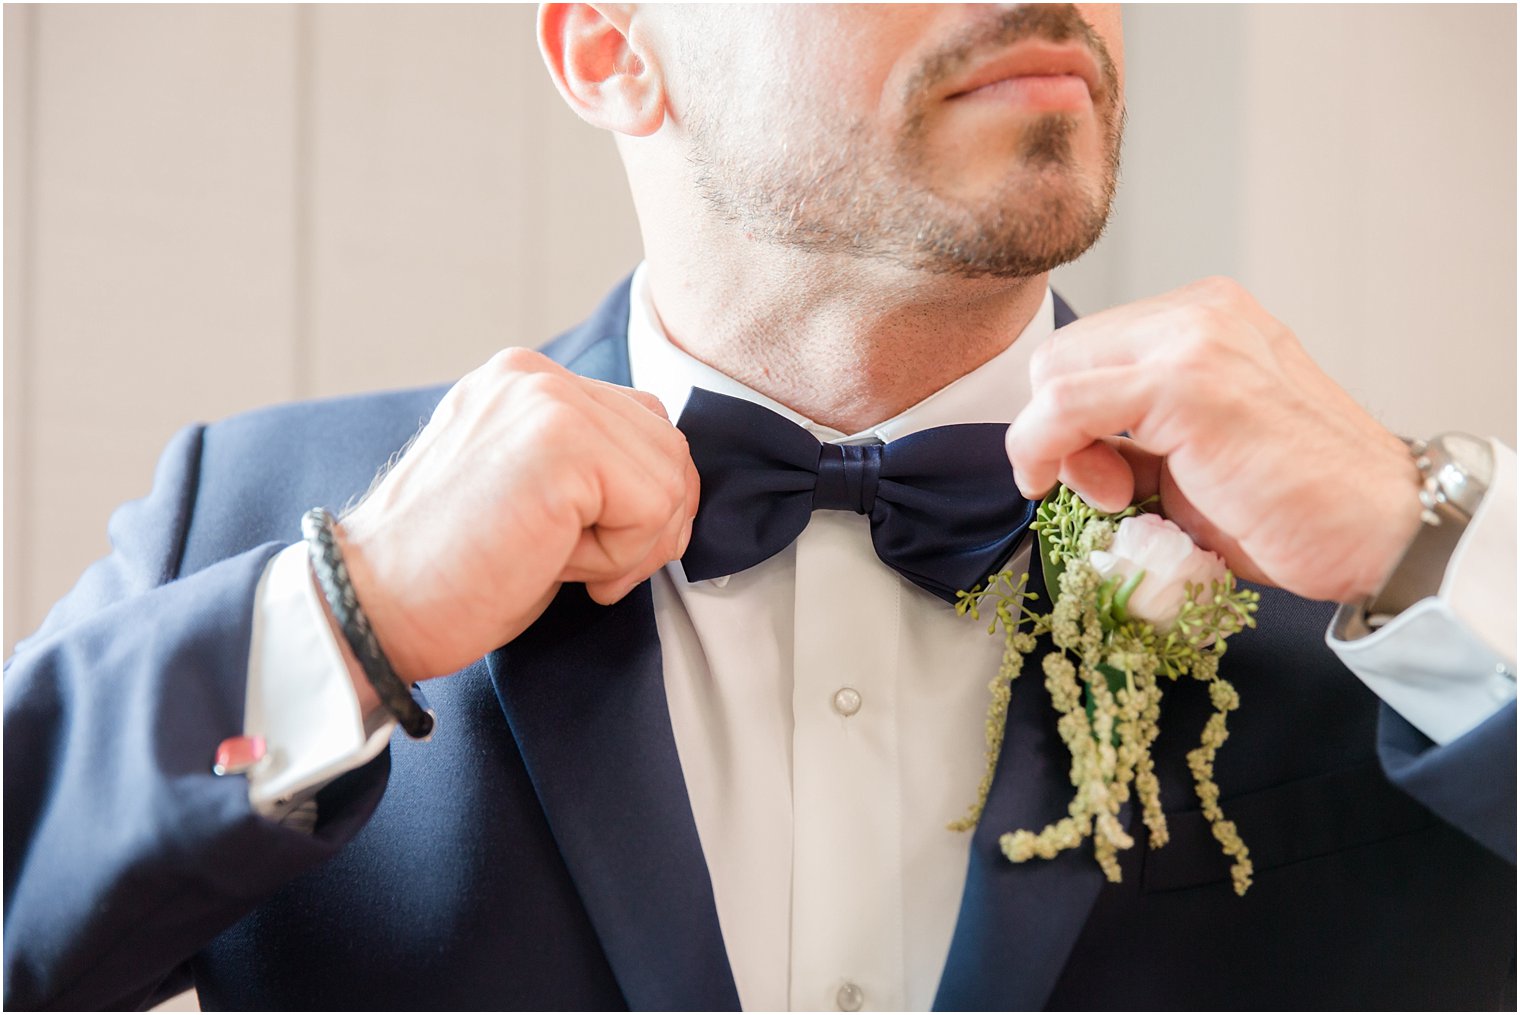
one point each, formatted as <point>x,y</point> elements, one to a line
<point>301,182</point>
<point>27,319</point>
<point>531,328</point>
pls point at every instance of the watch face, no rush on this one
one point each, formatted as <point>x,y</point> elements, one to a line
<point>1463,467</point>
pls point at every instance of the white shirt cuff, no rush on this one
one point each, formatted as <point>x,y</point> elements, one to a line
<point>300,695</point>
<point>1448,662</point>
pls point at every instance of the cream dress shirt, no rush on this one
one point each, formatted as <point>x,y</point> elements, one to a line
<point>828,713</point>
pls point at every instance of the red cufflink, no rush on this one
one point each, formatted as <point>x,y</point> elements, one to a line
<point>237,755</point>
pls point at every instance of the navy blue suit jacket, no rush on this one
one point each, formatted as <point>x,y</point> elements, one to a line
<point>540,852</point>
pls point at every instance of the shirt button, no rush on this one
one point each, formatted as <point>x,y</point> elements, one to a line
<point>850,998</point>
<point>847,703</point>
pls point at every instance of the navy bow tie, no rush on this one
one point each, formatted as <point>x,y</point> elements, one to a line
<point>944,510</point>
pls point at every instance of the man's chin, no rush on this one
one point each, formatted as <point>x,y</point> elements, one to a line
<point>1032,232</point>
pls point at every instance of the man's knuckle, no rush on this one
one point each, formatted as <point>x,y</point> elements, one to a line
<point>547,392</point>
<point>668,547</point>
<point>1194,330</point>
<point>675,491</point>
<point>1061,396</point>
<point>673,445</point>
<point>532,359</point>
<point>452,402</point>
<point>669,482</point>
<point>1222,288</point>
<point>648,401</point>
<point>515,359</point>
<point>1040,363</point>
<point>1184,356</point>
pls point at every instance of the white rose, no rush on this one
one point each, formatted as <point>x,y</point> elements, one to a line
<point>1170,560</point>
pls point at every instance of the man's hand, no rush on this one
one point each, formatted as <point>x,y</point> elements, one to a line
<point>527,476</point>
<point>1253,450</point>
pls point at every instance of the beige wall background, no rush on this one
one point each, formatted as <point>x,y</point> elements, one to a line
<point>213,208</point>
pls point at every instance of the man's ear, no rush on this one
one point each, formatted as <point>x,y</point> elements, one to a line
<point>602,68</point>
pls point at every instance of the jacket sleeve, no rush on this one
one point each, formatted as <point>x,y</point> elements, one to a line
<point>1445,669</point>
<point>1470,782</point>
<point>123,852</point>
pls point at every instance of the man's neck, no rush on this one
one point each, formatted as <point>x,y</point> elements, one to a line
<point>845,343</point>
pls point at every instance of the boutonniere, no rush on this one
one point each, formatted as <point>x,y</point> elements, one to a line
<point>1137,603</point>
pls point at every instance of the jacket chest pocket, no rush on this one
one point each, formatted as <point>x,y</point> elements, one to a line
<point>1285,824</point>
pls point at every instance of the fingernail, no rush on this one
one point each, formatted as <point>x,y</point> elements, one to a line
<point>685,538</point>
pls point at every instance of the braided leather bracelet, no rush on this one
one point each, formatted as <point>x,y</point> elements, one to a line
<point>327,564</point>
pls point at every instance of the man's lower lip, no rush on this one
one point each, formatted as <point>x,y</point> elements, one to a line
<point>1035,91</point>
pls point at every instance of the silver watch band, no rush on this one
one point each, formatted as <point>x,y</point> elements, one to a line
<point>1455,471</point>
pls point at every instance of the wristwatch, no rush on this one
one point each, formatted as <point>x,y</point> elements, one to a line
<point>1456,470</point>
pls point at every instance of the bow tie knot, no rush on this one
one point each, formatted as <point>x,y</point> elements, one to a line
<point>944,510</point>
<point>848,475</point>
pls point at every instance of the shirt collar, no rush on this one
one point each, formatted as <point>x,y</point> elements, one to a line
<point>992,393</point>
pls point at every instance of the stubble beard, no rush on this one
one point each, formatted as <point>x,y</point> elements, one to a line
<point>845,192</point>
<point>841,199</point>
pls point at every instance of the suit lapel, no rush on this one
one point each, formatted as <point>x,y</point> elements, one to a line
<point>584,693</point>
<point>1018,922</point>
<point>599,346</point>
<point>1064,314</point>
